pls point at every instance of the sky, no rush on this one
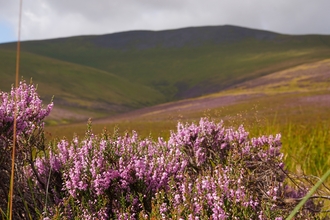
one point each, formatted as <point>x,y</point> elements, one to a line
<point>45,19</point>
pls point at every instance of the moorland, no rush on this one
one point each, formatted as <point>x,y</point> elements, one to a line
<point>150,80</point>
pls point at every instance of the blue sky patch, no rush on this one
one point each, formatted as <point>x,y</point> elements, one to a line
<point>7,34</point>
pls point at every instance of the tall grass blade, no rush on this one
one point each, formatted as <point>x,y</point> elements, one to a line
<point>25,206</point>
<point>11,190</point>
<point>309,194</point>
<point>3,214</point>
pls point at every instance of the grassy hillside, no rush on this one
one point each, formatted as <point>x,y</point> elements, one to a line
<point>297,95</point>
<point>179,63</point>
<point>303,89</point>
<point>82,90</point>
<point>122,71</point>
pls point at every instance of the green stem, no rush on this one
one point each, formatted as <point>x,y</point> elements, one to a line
<point>309,194</point>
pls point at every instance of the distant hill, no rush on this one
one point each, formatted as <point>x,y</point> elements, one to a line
<point>178,38</point>
<point>114,73</point>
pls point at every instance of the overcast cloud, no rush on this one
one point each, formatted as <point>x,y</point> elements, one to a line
<point>43,19</point>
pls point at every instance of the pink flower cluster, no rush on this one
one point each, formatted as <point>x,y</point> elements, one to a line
<point>29,109</point>
<point>203,170</point>
<point>26,104</point>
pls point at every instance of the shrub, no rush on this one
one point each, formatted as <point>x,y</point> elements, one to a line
<point>30,114</point>
<point>203,171</point>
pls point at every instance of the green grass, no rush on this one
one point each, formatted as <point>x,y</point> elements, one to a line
<point>164,73</point>
<point>221,65</point>
<point>102,81</point>
<point>76,85</point>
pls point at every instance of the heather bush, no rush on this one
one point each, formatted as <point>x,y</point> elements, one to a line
<point>25,101</point>
<point>203,171</point>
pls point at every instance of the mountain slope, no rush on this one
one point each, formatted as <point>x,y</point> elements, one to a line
<point>298,96</point>
<point>77,86</point>
<point>294,94</point>
<point>167,65</point>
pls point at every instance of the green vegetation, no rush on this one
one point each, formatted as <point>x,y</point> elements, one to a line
<point>78,87</point>
<point>275,84</point>
<point>110,74</point>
